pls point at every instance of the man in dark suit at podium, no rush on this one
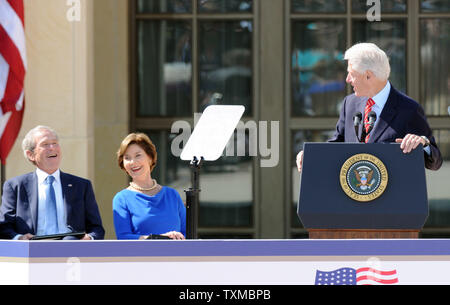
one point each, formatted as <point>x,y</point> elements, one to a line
<point>48,201</point>
<point>398,117</point>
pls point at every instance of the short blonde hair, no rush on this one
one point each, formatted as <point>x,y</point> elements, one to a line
<point>143,141</point>
<point>368,56</point>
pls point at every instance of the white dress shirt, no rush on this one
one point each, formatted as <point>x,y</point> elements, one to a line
<point>380,100</point>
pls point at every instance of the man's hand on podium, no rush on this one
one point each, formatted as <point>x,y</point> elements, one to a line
<point>300,161</point>
<point>411,141</point>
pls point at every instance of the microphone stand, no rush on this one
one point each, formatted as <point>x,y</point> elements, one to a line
<point>356,122</point>
<point>372,120</point>
<point>363,135</point>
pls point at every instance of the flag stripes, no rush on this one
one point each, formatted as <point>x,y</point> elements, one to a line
<point>13,66</point>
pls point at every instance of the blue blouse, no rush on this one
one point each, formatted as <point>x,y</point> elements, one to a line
<point>137,214</point>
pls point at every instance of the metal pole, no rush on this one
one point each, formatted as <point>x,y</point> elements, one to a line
<point>3,176</point>
<point>192,199</point>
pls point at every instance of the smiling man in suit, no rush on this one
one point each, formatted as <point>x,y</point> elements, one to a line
<point>48,201</point>
<point>400,118</point>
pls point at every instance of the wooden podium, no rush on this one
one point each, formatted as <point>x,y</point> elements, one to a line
<point>354,190</point>
<point>361,234</point>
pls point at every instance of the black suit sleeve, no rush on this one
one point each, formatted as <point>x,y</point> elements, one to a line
<point>339,134</point>
<point>8,212</point>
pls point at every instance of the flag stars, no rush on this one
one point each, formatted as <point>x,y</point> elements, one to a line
<point>350,276</point>
<point>343,276</point>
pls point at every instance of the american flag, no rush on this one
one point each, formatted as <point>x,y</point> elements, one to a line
<point>361,276</point>
<point>12,73</point>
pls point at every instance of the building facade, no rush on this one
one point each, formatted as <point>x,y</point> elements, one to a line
<point>144,65</point>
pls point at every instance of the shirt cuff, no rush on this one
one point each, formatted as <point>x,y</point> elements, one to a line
<point>427,150</point>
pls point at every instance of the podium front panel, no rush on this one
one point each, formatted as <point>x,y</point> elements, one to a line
<point>323,204</point>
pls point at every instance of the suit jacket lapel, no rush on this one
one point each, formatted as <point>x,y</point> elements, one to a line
<point>360,105</point>
<point>387,115</point>
<point>362,108</point>
<point>33,198</point>
<point>66,187</point>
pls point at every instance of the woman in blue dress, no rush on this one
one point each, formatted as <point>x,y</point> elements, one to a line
<point>145,207</point>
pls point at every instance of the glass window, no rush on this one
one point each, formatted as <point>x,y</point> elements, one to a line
<point>170,170</point>
<point>164,68</point>
<point>164,6</point>
<point>434,6</point>
<point>434,66</point>
<point>438,185</point>
<point>319,6</point>
<point>221,6</point>
<point>390,36</point>
<point>387,6</point>
<point>299,137</point>
<point>225,64</point>
<point>318,67</point>
<point>164,89</point>
<point>226,197</point>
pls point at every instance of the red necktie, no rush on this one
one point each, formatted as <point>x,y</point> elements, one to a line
<point>368,109</point>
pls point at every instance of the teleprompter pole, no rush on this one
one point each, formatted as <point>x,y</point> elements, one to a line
<point>192,199</point>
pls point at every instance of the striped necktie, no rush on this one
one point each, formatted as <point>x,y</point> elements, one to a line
<point>369,105</point>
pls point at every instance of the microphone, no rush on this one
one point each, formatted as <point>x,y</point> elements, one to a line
<point>356,122</point>
<point>372,118</point>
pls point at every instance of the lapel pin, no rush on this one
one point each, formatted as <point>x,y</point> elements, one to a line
<point>69,185</point>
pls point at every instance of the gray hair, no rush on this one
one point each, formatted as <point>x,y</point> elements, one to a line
<point>29,142</point>
<point>368,56</point>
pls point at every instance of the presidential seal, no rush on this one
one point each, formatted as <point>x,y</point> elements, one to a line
<point>363,177</point>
